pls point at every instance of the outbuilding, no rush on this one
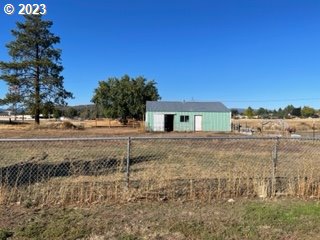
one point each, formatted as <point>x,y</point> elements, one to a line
<point>167,116</point>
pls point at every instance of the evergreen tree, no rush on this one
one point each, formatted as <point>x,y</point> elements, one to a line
<point>296,112</point>
<point>234,112</point>
<point>35,67</point>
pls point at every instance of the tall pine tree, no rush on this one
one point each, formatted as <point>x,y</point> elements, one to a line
<point>35,68</point>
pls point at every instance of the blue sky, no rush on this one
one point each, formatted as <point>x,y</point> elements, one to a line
<point>258,53</point>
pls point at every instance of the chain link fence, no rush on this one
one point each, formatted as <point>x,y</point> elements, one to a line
<point>71,171</point>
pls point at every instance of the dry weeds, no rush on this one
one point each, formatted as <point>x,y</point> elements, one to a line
<point>248,219</point>
<point>280,125</point>
<point>86,172</point>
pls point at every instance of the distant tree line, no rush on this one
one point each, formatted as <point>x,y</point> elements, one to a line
<point>288,112</point>
<point>118,98</point>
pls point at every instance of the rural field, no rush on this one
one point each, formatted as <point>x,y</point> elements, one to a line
<point>305,127</point>
<point>113,123</point>
<point>155,186</point>
<point>107,127</point>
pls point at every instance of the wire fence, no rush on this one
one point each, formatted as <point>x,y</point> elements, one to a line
<point>67,171</point>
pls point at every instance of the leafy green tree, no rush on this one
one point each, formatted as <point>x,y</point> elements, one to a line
<point>249,112</point>
<point>307,111</point>
<point>35,67</point>
<point>125,97</point>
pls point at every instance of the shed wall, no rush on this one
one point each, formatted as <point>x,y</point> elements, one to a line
<point>211,121</point>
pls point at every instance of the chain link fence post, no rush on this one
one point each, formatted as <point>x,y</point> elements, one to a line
<point>128,162</point>
<point>274,166</point>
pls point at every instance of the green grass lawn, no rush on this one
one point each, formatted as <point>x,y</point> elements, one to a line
<point>243,219</point>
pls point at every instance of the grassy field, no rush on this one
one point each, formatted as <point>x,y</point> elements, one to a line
<point>52,129</point>
<point>241,219</point>
<point>178,189</point>
<point>94,171</point>
<point>106,127</point>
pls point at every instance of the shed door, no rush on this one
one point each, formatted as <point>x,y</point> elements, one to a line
<point>198,123</point>
<point>158,122</point>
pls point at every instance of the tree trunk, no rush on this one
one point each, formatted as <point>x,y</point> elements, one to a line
<point>37,101</point>
<point>37,91</point>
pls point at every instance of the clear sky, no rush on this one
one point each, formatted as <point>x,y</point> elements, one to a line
<point>258,53</point>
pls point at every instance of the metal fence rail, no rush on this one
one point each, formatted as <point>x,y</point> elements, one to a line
<point>81,170</point>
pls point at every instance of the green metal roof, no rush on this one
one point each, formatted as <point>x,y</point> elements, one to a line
<point>163,106</point>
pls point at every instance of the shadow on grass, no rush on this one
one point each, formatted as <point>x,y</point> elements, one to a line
<point>7,122</point>
<point>32,172</point>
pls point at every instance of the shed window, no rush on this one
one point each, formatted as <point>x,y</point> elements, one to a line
<point>184,118</point>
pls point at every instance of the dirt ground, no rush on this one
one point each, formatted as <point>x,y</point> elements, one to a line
<point>54,133</point>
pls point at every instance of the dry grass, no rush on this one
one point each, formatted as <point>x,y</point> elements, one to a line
<point>86,172</point>
<point>178,189</point>
<point>280,125</point>
<point>160,169</point>
<point>242,219</point>
<point>111,123</point>
<point>29,131</point>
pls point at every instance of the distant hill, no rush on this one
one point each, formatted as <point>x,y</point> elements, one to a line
<point>79,107</point>
<point>76,107</point>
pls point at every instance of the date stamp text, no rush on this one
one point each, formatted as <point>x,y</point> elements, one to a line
<point>25,9</point>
